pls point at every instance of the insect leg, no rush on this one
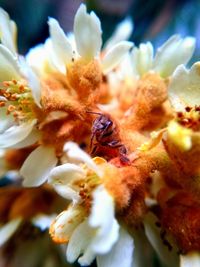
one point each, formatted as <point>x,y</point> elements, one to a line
<point>114,144</point>
<point>94,149</point>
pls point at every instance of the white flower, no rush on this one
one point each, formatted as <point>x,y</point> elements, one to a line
<point>71,173</point>
<point>61,51</point>
<point>97,236</point>
<point>173,52</point>
<point>88,225</point>
<point>20,91</point>
<point>18,84</point>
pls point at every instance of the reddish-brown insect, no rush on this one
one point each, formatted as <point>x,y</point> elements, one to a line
<point>105,139</point>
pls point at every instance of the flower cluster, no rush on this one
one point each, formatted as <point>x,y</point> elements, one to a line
<point>110,136</point>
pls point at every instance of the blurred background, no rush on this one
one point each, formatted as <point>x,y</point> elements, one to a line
<point>154,20</point>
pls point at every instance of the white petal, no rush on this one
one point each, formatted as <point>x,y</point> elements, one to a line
<point>87,258</point>
<point>65,173</point>
<point>38,165</point>
<point>142,58</point>
<point>67,192</point>
<point>16,134</point>
<point>87,30</point>
<point>115,55</point>
<point>9,67</point>
<point>103,242</point>
<point>193,90</point>
<point>127,69</point>
<point>71,39</point>
<point>37,59</point>
<point>170,258</point>
<point>120,255</point>
<point>178,82</point>
<point>121,33</point>
<point>102,217</point>
<point>6,121</point>
<point>65,223</point>
<point>78,244</point>
<point>184,88</point>
<point>7,230</point>
<point>31,139</point>
<point>190,260</point>
<point>76,154</point>
<point>32,80</point>
<point>172,53</point>
<point>7,31</point>
<point>53,60</point>
<point>61,45</point>
<point>43,221</point>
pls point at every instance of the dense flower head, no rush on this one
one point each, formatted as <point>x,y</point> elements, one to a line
<point>107,137</point>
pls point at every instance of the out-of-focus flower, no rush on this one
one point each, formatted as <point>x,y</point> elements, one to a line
<point>19,205</point>
<point>8,229</point>
<point>142,60</point>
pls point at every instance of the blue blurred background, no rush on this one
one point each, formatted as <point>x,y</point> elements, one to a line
<point>154,20</point>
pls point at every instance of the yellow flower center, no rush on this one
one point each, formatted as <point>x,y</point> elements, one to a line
<point>18,100</point>
<point>86,186</point>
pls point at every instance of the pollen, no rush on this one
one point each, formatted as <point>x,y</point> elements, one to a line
<point>18,100</point>
<point>85,188</point>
